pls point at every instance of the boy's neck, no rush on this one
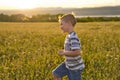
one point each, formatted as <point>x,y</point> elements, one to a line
<point>71,29</point>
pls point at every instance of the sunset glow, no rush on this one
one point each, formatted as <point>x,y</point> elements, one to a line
<point>28,4</point>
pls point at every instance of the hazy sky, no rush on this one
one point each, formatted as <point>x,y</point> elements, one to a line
<point>28,4</point>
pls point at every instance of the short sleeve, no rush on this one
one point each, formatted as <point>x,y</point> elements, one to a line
<point>75,43</point>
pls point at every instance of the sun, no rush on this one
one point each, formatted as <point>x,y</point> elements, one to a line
<point>23,4</point>
<point>26,5</point>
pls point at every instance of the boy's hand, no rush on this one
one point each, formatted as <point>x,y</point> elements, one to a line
<point>61,52</point>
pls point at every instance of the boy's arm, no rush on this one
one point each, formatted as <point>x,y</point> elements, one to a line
<point>70,53</point>
<point>75,47</point>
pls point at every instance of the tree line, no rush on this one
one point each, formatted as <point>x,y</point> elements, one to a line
<point>50,18</point>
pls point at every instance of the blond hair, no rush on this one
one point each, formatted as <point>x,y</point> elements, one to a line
<point>68,17</point>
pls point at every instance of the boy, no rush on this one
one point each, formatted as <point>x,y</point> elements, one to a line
<point>73,64</point>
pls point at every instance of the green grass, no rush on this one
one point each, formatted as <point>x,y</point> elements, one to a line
<point>28,51</point>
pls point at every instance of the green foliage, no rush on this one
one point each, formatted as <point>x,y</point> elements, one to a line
<point>50,18</point>
<point>28,51</point>
<point>98,19</point>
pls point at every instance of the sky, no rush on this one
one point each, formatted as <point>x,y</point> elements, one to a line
<point>29,4</point>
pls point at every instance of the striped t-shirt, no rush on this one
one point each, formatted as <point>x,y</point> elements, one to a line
<point>72,43</point>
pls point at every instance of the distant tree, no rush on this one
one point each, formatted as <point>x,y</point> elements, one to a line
<point>18,18</point>
<point>50,18</point>
<point>4,18</point>
<point>44,18</point>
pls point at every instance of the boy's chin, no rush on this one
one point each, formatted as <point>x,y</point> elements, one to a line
<point>64,31</point>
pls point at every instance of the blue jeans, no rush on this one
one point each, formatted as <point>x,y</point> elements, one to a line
<point>62,71</point>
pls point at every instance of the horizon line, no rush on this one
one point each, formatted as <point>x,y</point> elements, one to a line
<point>60,7</point>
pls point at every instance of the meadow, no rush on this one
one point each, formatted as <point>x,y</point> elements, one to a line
<point>28,51</point>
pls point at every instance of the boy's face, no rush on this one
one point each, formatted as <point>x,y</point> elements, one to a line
<point>64,26</point>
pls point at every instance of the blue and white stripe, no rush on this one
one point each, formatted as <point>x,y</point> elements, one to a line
<point>72,43</point>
